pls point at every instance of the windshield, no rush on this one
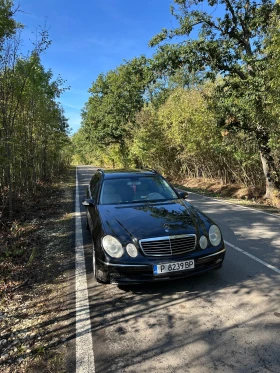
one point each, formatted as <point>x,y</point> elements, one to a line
<point>135,189</point>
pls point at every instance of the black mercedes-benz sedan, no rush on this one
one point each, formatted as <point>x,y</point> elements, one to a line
<point>144,230</point>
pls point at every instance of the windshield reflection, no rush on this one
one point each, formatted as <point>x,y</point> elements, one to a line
<point>135,189</point>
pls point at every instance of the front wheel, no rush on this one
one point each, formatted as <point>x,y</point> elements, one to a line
<point>87,224</point>
<point>99,274</point>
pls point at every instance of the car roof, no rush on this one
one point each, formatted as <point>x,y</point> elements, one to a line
<point>122,173</point>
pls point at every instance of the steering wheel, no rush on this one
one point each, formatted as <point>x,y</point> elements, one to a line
<point>154,195</point>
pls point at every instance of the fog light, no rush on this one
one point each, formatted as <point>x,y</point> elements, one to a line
<point>203,242</point>
<point>131,250</point>
<point>218,261</point>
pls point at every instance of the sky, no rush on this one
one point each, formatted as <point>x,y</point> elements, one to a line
<point>90,37</point>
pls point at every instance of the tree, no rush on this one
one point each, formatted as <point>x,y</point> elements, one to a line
<point>8,25</point>
<point>272,76</point>
<point>109,114</point>
<point>33,129</point>
<point>230,44</point>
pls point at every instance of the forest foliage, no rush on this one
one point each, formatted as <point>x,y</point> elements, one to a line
<point>205,105</point>
<point>34,141</point>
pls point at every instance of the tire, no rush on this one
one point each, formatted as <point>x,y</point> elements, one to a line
<point>87,225</point>
<point>99,274</point>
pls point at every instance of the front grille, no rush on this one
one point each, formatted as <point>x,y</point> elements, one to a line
<point>169,245</point>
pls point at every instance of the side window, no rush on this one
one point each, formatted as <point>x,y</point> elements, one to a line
<point>95,189</point>
<point>93,182</point>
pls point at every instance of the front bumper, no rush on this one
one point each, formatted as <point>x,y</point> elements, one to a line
<point>135,274</point>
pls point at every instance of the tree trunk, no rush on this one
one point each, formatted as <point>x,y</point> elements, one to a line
<point>8,166</point>
<point>271,173</point>
<point>123,151</point>
<point>271,176</point>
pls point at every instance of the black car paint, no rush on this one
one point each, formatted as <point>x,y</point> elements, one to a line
<point>129,222</point>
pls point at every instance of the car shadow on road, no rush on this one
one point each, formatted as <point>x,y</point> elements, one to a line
<point>219,320</point>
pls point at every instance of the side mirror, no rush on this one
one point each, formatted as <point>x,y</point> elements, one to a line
<point>88,202</point>
<point>183,194</point>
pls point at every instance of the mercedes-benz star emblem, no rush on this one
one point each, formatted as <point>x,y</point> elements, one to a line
<point>166,227</point>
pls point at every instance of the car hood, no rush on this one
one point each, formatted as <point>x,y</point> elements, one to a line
<point>148,220</point>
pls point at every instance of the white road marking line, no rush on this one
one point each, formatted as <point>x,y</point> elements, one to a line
<point>254,257</point>
<point>84,345</point>
<point>233,204</point>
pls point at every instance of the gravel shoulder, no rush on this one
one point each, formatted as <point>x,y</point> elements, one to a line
<point>232,193</point>
<point>36,259</point>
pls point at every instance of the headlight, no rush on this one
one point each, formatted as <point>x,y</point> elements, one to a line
<point>215,236</point>
<point>131,250</point>
<point>112,246</point>
<point>203,242</point>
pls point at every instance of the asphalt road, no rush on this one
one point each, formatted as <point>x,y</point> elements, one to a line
<point>225,321</point>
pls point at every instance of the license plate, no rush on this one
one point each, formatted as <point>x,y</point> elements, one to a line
<point>173,267</point>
